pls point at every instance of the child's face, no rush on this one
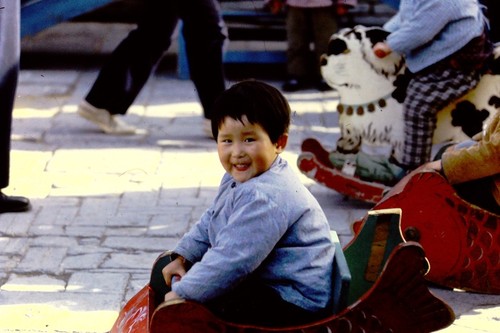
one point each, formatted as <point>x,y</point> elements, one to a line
<point>245,149</point>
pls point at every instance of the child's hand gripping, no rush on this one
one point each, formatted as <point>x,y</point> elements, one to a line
<point>172,273</point>
<point>381,50</point>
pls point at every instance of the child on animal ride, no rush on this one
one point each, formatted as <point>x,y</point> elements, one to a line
<point>445,46</point>
<point>261,254</point>
<point>473,167</point>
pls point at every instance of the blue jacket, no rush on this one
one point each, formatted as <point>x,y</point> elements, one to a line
<point>427,31</point>
<point>269,226</point>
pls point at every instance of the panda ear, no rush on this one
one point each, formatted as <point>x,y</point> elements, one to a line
<point>484,114</point>
<point>376,35</point>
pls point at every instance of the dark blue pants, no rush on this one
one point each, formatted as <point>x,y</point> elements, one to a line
<point>132,62</point>
<point>251,302</point>
<point>9,70</point>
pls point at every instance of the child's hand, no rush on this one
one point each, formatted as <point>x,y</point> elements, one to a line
<point>170,296</point>
<point>381,50</point>
<point>434,165</point>
<point>176,267</point>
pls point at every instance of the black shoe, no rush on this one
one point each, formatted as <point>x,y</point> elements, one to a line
<point>294,85</point>
<point>13,204</point>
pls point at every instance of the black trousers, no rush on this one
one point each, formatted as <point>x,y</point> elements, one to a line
<point>9,70</point>
<point>132,62</point>
<point>478,192</point>
<point>249,303</point>
<point>493,13</point>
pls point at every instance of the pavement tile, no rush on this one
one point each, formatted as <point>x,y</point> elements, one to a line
<point>82,231</point>
<point>7,264</point>
<point>15,224</point>
<point>134,262</point>
<point>125,244</point>
<point>13,245</point>
<point>89,245</point>
<point>56,215</point>
<point>174,225</point>
<point>42,259</point>
<point>83,261</point>
<point>98,282</point>
<point>34,283</point>
<point>55,241</point>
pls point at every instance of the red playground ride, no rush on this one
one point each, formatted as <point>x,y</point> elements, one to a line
<point>379,286</point>
<point>461,240</point>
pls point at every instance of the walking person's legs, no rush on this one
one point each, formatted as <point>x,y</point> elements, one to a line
<point>122,78</point>
<point>204,33</point>
<point>9,70</point>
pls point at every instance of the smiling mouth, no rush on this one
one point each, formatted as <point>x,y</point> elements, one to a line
<point>241,167</point>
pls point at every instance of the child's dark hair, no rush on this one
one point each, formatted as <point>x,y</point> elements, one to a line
<point>260,102</point>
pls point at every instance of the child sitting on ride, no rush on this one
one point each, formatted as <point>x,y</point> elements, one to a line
<point>262,253</point>
<point>445,46</point>
<point>473,167</point>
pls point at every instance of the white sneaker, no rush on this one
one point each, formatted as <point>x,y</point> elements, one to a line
<point>110,124</point>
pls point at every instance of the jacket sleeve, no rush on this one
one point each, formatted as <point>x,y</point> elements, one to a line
<point>477,161</point>
<point>195,243</point>
<point>393,23</point>
<point>427,20</point>
<point>250,235</point>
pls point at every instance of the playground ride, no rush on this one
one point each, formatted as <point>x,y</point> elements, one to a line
<point>461,240</point>
<point>378,286</point>
<point>370,109</point>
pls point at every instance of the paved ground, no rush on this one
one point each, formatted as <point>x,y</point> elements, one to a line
<point>104,207</point>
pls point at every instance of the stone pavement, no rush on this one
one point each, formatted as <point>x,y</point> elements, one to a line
<point>105,206</point>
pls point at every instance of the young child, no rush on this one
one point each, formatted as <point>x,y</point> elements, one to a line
<point>445,45</point>
<point>261,254</point>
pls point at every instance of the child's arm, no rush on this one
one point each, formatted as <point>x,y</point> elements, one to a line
<point>422,25</point>
<point>195,243</point>
<point>252,231</point>
<point>393,23</point>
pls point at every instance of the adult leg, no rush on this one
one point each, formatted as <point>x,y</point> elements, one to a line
<point>204,33</point>
<point>298,51</point>
<point>324,24</point>
<point>9,69</point>
<point>131,63</point>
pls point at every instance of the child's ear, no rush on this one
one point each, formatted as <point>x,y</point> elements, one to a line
<point>281,143</point>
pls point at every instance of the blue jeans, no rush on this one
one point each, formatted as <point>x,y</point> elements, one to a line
<point>132,62</point>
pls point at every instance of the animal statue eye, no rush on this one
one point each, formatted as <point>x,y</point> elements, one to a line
<point>337,46</point>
